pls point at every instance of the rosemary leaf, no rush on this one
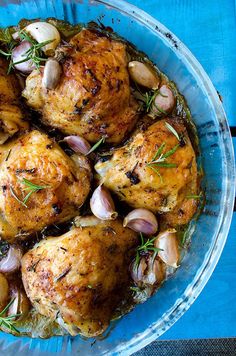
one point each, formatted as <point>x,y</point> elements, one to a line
<point>159,151</point>
<point>164,164</point>
<point>16,197</point>
<point>196,197</point>
<point>96,145</point>
<point>172,130</point>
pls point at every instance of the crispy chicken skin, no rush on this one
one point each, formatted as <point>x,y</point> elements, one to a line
<point>80,277</point>
<point>66,182</point>
<point>93,97</point>
<point>11,116</point>
<point>165,191</point>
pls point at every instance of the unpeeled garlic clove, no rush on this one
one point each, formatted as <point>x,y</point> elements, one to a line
<point>164,102</point>
<point>102,205</point>
<point>143,74</point>
<point>78,144</point>
<point>19,54</point>
<point>44,31</point>
<point>12,261</point>
<point>51,74</point>
<point>141,220</point>
<point>149,271</point>
<point>21,303</point>
<point>167,242</point>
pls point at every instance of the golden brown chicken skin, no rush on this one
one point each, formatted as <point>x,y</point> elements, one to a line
<point>80,277</point>
<point>36,159</point>
<point>93,98</point>
<point>11,116</point>
<point>160,188</point>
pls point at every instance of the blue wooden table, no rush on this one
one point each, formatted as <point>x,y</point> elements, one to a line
<point>208,28</point>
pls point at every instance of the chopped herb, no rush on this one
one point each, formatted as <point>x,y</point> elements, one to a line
<point>89,286</point>
<point>146,246</point>
<point>5,36</point>
<point>171,129</point>
<point>63,274</point>
<point>8,321</point>
<point>166,165</point>
<point>102,140</point>
<point>148,99</point>
<point>196,197</point>
<point>135,289</point>
<point>8,155</point>
<point>4,247</point>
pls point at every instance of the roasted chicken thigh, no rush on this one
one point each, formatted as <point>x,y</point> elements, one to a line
<point>79,278</point>
<point>11,116</point>
<point>40,185</point>
<point>155,170</point>
<point>93,98</point>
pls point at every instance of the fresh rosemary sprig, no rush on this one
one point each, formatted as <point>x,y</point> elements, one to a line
<point>96,145</point>
<point>146,246</point>
<point>172,130</point>
<point>30,189</point>
<point>34,53</point>
<point>8,321</point>
<point>159,159</point>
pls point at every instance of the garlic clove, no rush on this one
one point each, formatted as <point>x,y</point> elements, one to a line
<point>143,74</point>
<point>12,261</point>
<point>141,220</point>
<point>167,242</point>
<point>148,272</point>
<point>164,102</point>
<point>44,31</point>
<point>21,303</point>
<point>85,221</point>
<point>156,271</point>
<point>19,54</point>
<point>78,144</point>
<point>102,204</point>
<point>138,271</point>
<point>51,74</point>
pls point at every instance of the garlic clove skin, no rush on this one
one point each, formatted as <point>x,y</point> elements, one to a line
<point>85,221</point>
<point>167,242</point>
<point>138,271</point>
<point>19,54</point>
<point>163,103</point>
<point>51,74</point>
<point>78,144</point>
<point>44,31</point>
<point>21,304</point>
<point>148,272</point>
<point>141,220</point>
<point>143,74</point>
<point>12,261</point>
<point>102,205</point>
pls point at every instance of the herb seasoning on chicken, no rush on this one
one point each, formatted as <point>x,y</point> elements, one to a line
<point>100,185</point>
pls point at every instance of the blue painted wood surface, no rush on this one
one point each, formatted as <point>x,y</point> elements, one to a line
<point>208,28</point>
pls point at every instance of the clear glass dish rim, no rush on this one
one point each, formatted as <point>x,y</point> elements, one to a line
<point>206,270</point>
